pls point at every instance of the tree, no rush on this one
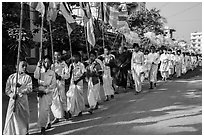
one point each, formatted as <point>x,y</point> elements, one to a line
<point>10,32</point>
<point>146,21</point>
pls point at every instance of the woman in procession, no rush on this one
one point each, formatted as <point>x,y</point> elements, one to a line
<point>107,79</point>
<point>146,67</point>
<point>137,63</point>
<point>59,104</point>
<point>178,62</point>
<point>75,99</point>
<point>93,72</point>
<point>183,70</point>
<point>17,121</point>
<point>187,60</point>
<point>164,67</point>
<point>122,65</point>
<point>154,60</point>
<point>171,63</point>
<point>47,85</point>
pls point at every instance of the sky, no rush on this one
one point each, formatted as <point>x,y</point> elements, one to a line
<point>184,17</point>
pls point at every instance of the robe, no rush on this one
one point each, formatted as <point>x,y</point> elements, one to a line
<point>75,99</point>
<point>17,123</point>
<point>171,64</point>
<point>107,79</point>
<point>154,59</point>
<point>93,83</point>
<point>47,83</point>
<point>184,64</point>
<point>59,96</point>
<point>164,67</point>
<point>122,65</point>
<point>147,65</point>
<point>137,63</point>
<point>178,67</point>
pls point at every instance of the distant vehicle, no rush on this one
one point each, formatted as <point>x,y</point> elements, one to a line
<point>32,63</point>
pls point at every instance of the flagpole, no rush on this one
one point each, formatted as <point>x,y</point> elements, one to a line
<point>51,39</point>
<point>85,32</point>
<point>122,39</point>
<point>40,50</point>
<point>103,24</point>
<point>18,56</point>
<point>70,44</point>
<point>41,37</point>
<point>103,35</point>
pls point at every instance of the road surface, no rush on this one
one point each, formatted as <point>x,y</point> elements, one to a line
<point>173,107</point>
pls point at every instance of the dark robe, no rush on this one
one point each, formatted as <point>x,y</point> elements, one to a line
<point>122,71</point>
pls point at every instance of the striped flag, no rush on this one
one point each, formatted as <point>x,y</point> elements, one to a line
<point>88,22</point>
<point>66,12</point>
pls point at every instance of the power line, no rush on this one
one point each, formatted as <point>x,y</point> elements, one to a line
<point>180,12</point>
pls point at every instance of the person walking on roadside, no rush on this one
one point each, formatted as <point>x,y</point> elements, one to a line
<point>93,72</point>
<point>171,63</point>
<point>17,123</point>
<point>59,104</point>
<point>108,60</point>
<point>75,99</point>
<point>154,59</point>
<point>137,63</point>
<point>178,60</point>
<point>164,67</point>
<point>47,84</point>
<point>122,64</point>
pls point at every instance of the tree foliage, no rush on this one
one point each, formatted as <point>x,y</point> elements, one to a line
<point>146,21</point>
<point>140,22</point>
<point>10,33</point>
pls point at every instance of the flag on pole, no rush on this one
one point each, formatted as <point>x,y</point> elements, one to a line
<point>105,12</point>
<point>88,22</point>
<point>40,8</point>
<point>113,16</point>
<point>52,11</point>
<point>85,11</point>
<point>66,12</point>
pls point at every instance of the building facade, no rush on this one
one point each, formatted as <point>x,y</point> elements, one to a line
<point>196,42</point>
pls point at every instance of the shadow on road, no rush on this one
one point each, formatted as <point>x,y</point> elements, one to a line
<point>174,107</point>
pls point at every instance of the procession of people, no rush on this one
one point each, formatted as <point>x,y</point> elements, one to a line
<point>105,73</point>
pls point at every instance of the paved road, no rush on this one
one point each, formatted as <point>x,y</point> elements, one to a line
<point>174,107</point>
